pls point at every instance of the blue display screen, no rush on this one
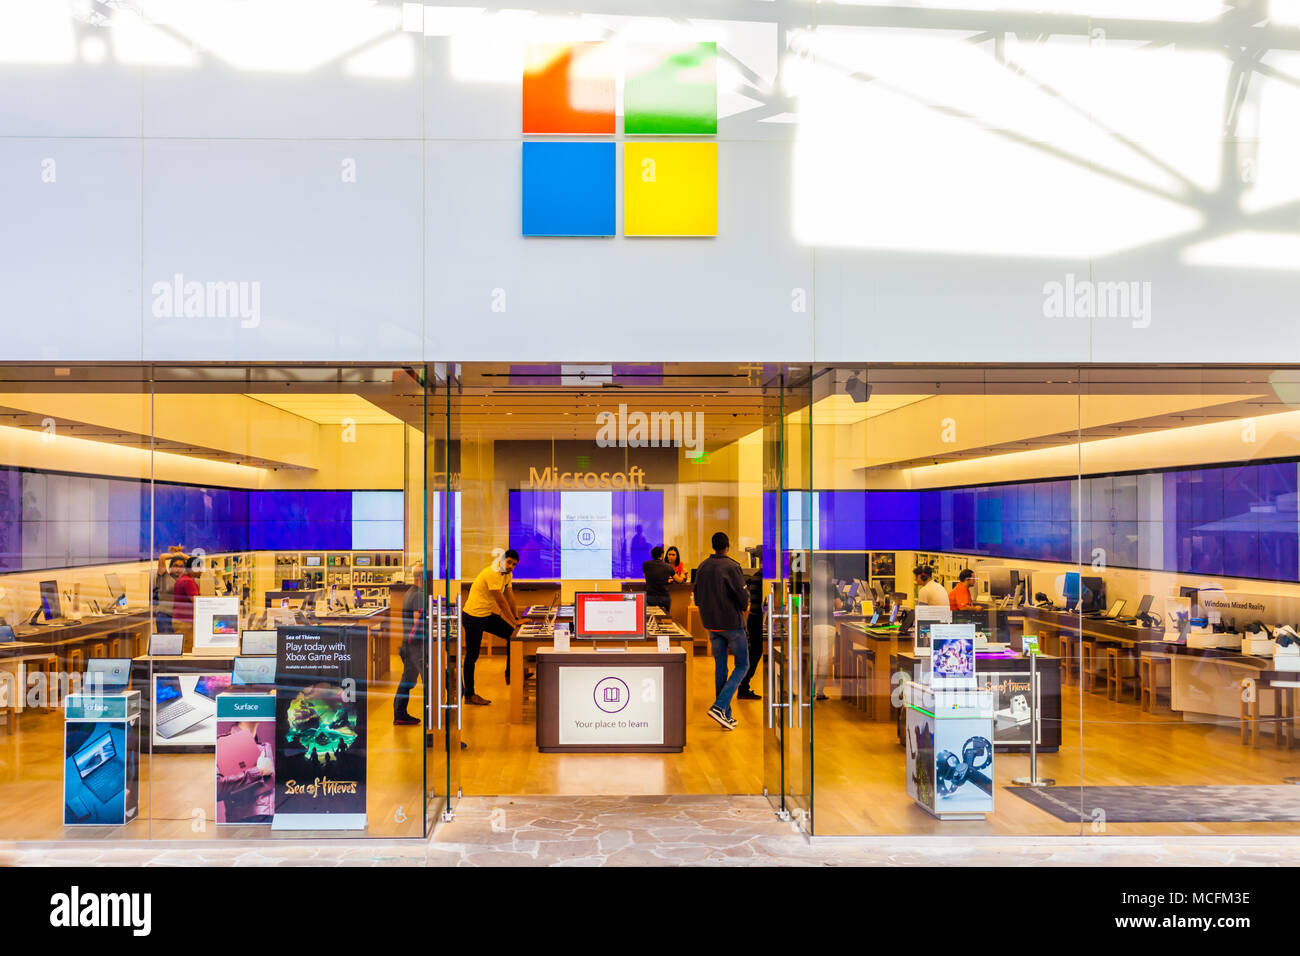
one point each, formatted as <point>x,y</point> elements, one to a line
<point>1232,520</point>
<point>584,535</point>
<point>53,520</point>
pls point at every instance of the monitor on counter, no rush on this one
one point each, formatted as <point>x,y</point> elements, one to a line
<point>116,594</point>
<point>1092,596</point>
<point>609,615</point>
<point>50,606</point>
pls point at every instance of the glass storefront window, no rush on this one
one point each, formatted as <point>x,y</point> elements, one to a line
<point>1109,561</point>
<point>220,556</point>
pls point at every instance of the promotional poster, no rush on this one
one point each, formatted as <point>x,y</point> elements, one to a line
<point>1012,706</point>
<point>245,761</point>
<point>320,728</point>
<point>101,776</point>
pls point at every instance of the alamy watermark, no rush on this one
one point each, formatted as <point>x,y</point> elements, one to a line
<point>177,298</point>
<point>1085,299</point>
<point>624,429</point>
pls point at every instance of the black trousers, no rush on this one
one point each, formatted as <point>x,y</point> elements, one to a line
<point>412,654</point>
<point>475,628</point>
<point>660,601</point>
<point>755,631</point>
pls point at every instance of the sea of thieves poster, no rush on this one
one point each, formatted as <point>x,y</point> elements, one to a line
<point>320,723</point>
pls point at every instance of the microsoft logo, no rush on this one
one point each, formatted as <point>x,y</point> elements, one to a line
<point>670,187</point>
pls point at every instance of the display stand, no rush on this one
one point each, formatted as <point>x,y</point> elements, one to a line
<point>950,751</point>
<point>101,759</point>
<point>1035,692</point>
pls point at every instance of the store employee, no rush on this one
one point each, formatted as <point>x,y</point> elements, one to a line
<point>959,598</point>
<point>928,590</point>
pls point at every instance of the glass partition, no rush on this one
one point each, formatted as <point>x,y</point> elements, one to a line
<point>928,522</point>
<point>1189,526</point>
<point>204,573</point>
<point>76,540</point>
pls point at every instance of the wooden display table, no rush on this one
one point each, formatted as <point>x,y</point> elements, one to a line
<point>613,701</point>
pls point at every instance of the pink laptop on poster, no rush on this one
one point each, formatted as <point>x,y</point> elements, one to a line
<point>237,752</point>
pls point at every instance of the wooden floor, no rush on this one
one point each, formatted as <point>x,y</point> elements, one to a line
<point>858,766</point>
<point>503,757</point>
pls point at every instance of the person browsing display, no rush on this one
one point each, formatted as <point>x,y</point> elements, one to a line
<point>489,609</point>
<point>928,591</point>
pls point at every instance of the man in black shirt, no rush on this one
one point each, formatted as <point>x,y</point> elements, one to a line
<point>657,575</point>
<point>754,625</point>
<point>723,599</point>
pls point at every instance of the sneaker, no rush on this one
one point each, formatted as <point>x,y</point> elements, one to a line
<point>747,695</point>
<point>405,720</point>
<point>728,723</point>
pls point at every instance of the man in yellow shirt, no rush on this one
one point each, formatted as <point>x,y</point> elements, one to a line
<point>489,608</point>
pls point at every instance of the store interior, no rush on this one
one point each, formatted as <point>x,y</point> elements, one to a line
<point>1090,486</point>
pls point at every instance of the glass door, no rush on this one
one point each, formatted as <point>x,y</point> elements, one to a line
<point>787,530</point>
<point>442,596</point>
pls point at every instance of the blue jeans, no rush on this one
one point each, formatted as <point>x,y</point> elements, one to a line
<point>736,643</point>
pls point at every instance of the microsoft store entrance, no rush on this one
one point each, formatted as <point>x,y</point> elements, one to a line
<point>584,472</point>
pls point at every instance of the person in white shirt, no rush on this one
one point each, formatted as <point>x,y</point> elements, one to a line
<point>928,590</point>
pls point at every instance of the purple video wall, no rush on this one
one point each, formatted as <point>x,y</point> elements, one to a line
<point>58,520</point>
<point>584,534</point>
<point>1231,520</point>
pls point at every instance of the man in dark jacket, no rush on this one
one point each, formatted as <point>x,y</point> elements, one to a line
<point>657,574</point>
<point>723,598</point>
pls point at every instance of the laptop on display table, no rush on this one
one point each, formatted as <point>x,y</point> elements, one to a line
<point>107,675</point>
<point>253,672</point>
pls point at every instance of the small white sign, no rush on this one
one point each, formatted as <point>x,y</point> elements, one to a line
<point>216,624</point>
<point>665,645</point>
<point>611,705</point>
<point>560,639</point>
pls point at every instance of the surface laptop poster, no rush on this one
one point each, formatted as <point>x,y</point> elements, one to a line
<point>320,729</point>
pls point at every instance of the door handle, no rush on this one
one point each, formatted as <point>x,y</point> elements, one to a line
<point>459,657</point>
<point>791,658</point>
<point>436,656</point>
<point>771,670</point>
<point>798,659</point>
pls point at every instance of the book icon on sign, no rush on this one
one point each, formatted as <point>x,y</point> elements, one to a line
<point>612,695</point>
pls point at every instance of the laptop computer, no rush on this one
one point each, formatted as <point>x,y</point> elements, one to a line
<point>257,643</point>
<point>173,714</point>
<point>100,768</point>
<point>107,675</point>
<point>1144,606</point>
<point>1116,610</point>
<point>166,645</point>
<point>253,672</point>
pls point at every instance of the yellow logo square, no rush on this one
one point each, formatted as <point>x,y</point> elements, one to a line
<point>670,189</point>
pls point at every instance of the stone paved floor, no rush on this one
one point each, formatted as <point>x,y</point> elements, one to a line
<point>653,831</point>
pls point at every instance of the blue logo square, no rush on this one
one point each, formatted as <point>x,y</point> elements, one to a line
<point>569,189</point>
